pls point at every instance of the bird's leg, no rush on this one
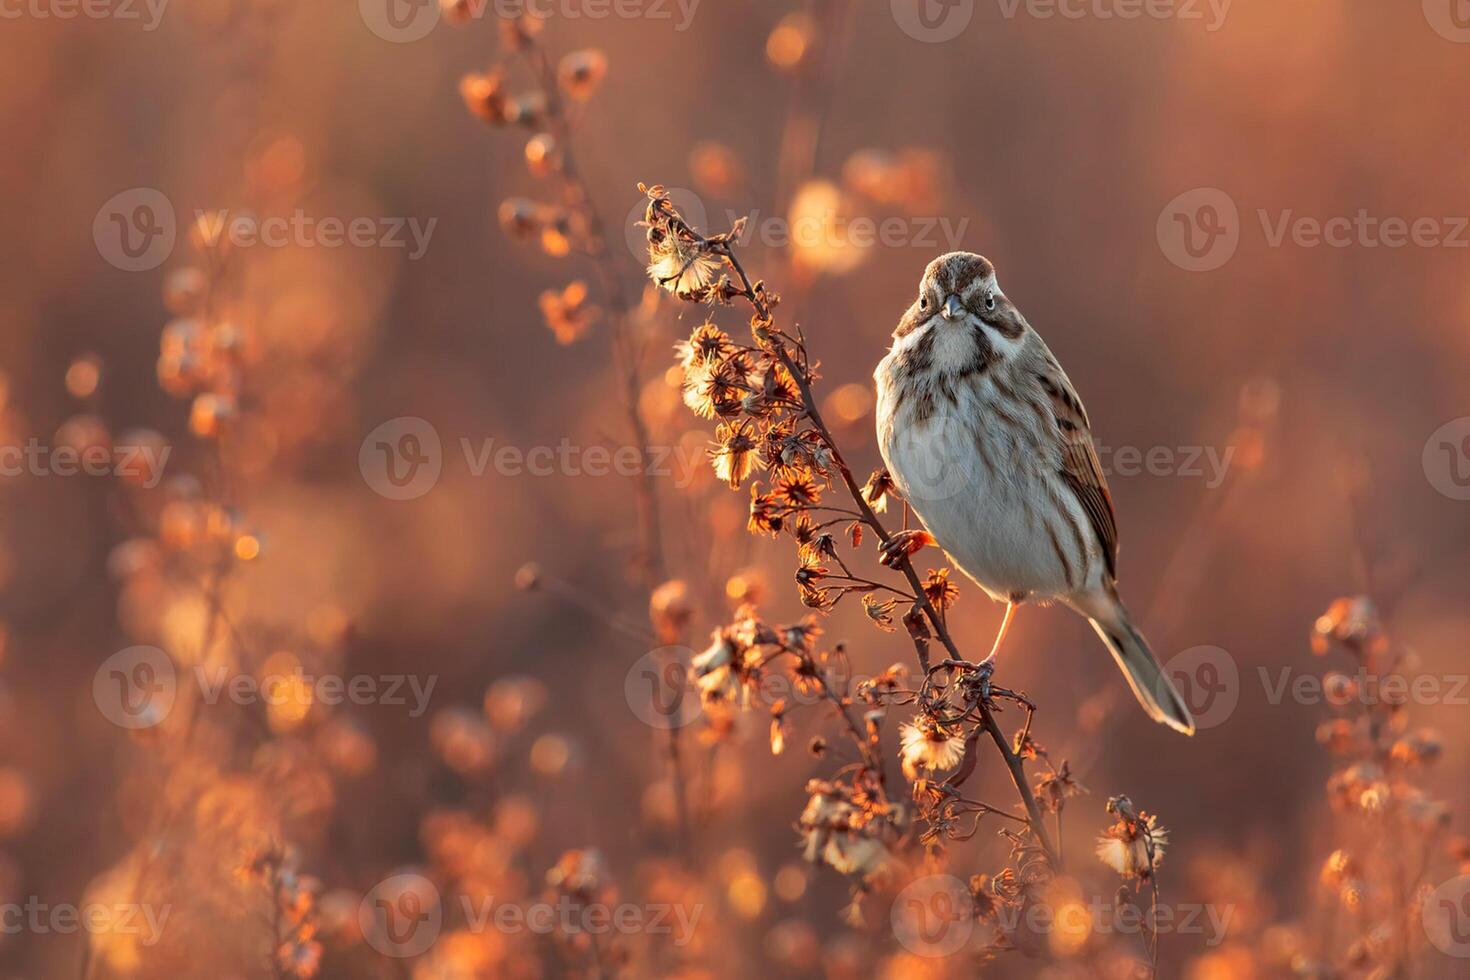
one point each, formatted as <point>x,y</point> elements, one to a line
<point>901,544</point>
<point>1005,627</point>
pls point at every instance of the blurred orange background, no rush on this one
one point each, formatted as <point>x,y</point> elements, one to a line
<point>1058,145</point>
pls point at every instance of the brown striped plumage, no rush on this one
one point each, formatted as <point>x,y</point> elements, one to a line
<point>986,439</point>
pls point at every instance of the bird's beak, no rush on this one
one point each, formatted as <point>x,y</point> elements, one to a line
<point>953,308</point>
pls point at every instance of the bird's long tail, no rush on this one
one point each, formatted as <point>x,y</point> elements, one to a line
<point>1145,675</point>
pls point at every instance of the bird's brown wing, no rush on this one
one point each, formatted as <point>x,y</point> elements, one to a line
<point>1080,466</point>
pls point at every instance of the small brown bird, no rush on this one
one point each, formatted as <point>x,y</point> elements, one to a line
<point>986,439</point>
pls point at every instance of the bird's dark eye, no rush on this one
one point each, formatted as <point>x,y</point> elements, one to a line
<point>923,302</point>
<point>990,301</point>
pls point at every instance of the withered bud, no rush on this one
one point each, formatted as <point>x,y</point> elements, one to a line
<point>210,413</point>
<point>484,95</point>
<point>669,610</point>
<point>580,73</point>
<point>541,157</point>
<point>519,217</point>
<point>527,110</point>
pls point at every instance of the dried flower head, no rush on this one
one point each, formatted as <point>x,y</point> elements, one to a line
<point>1134,845</point>
<point>941,591</point>
<point>928,746</point>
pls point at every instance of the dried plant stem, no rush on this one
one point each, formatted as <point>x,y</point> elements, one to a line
<point>814,415</point>
<point>627,361</point>
<point>864,744</point>
<point>627,356</point>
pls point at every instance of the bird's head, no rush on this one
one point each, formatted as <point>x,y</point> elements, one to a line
<point>960,299</point>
